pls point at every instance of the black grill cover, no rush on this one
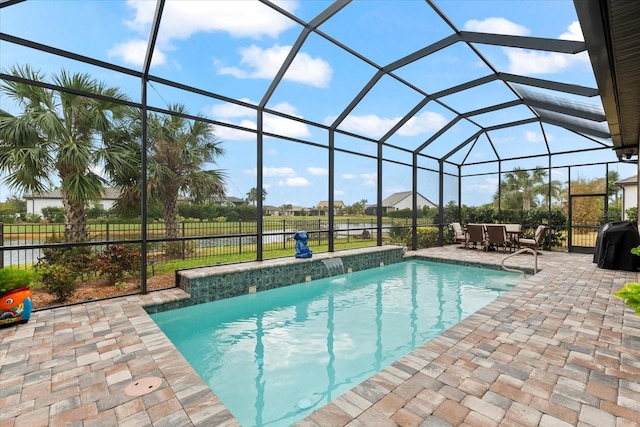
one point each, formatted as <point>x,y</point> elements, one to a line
<point>613,246</point>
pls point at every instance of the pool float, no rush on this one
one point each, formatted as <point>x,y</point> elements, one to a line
<point>15,306</point>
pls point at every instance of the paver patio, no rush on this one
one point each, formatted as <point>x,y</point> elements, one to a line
<point>556,350</point>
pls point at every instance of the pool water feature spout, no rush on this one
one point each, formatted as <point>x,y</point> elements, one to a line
<point>334,266</point>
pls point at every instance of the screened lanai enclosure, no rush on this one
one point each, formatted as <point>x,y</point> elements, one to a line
<point>223,127</point>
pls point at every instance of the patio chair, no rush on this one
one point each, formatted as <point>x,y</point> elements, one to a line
<point>475,235</point>
<point>537,241</point>
<point>459,236</point>
<point>497,236</point>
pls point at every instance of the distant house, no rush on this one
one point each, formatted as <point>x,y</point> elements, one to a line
<point>398,201</point>
<point>229,201</point>
<point>294,211</point>
<point>629,193</point>
<point>322,208</point>
<point>53,198</point>
<point>270,210</point>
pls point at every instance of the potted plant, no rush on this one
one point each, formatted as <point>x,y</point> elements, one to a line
<point>630,293</point>
<point>15,296</point>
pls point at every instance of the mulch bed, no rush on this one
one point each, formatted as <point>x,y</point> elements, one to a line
<point>95,289</point>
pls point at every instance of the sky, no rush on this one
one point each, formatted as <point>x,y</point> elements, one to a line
<point>235,48</point>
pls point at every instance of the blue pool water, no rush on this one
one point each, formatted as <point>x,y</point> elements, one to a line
<point>276,356</point>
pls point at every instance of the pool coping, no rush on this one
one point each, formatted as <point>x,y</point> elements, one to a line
<point>71,365</point>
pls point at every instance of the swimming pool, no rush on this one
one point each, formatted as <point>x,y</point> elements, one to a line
<point>276,356</point>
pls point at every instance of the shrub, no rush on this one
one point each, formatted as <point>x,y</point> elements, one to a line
<point>400,213</point>
<point>630,293</point>
<point>32,218</point>
<point>399,233</point>
<point>632,214</point>
<point>13,278</point>
<point>427,237</point>
<point>116,262</point>
<point>60,268</point>
<point>59,280</point>
<point>53,214</point>
<point>78,258</point>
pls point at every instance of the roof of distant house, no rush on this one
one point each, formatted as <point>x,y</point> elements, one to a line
<point>396,198</point>
<point>632,180</point>
<point>228,199</point>
<point>109,193</point>
<point>325,204</point>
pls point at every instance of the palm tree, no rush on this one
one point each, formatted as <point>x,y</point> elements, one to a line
<point>520,188</point>
<point>556,192</point>
<point>252,195</point>
<point>178,152</point>
<point>60,134</point>
<point>613,189</point>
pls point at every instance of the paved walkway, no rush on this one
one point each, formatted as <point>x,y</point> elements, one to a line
<point>557,350</point>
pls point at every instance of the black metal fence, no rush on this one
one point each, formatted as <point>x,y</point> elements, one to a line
<point>206,242</point>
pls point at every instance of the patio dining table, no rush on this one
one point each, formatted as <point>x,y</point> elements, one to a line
<point>514,238</point>
<point>513,231</point>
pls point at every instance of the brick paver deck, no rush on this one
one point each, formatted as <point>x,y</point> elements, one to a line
<point>556,350</point>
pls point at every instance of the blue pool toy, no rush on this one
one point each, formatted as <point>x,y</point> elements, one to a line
<point>302,250</point>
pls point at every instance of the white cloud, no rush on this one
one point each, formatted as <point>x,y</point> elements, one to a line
<point>229,110</point>
<point>529,62</point>
<point>482,186</point>
<point>369,179</point>
<point>574,32</point>
<point>297,181</point>
<point>318,171</point>
<point>283,171</point>
<point>368,125</point>
<point>496,25</point>
<point>231,134</point>
<point>286,108</point>
<point>271,123</point>
<point>282,125</point>
<point>265,63</point>
<point>426,121</point>
<point>558,174</point>
<point>272,152</point>
<point>134,51</point>
<point>375,126</point>
<point>348,176</point>
<point>338,192</point>
<point>531,136</point>
<point>181,19</point>
<point>270,172</point>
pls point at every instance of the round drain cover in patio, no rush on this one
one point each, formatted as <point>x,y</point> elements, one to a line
<point>143,386</point>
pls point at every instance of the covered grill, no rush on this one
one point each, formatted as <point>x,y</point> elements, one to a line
<point>613,246</point>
